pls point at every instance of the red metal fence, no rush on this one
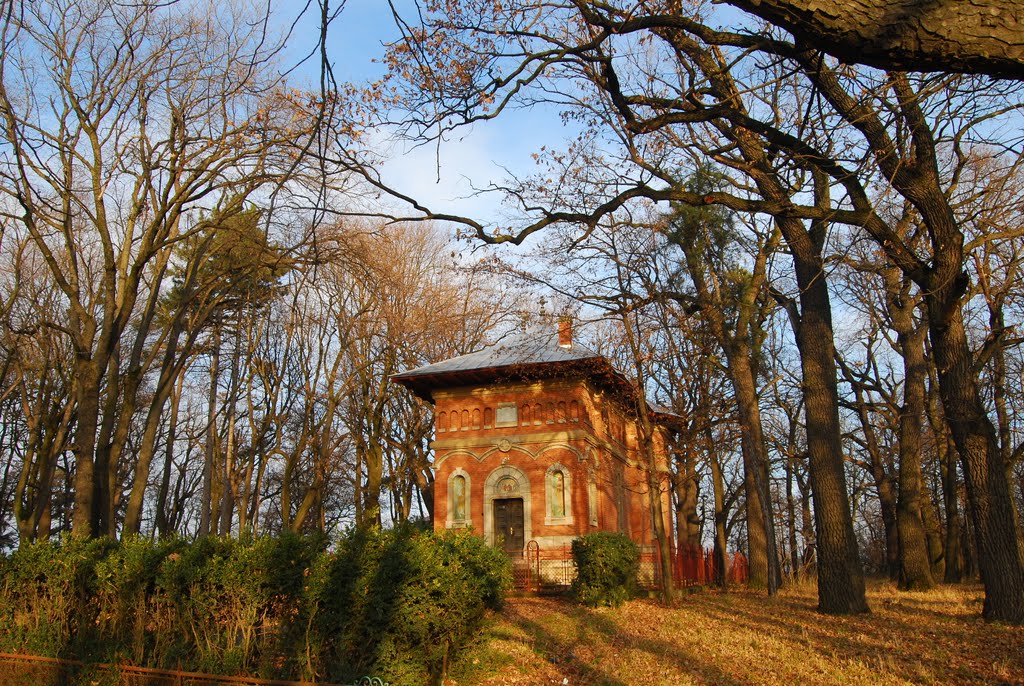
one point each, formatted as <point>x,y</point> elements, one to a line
<point>554,569</point>
<point>695,566</point>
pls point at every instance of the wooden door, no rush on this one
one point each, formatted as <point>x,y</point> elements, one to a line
<point>508,525</point>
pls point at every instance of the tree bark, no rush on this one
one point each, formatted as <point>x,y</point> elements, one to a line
<point>976,37</point>
<point>206,502</point>
<point>721,513</point>
<point>84,520</point>
<point>992,511</point>
<point>915,565</point>
<point>840,579</point>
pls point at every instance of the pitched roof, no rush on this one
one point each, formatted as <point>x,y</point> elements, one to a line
<point>531,352</point>
<point>536,345</point>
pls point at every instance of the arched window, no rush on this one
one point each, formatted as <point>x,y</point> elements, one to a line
<point>442,422</point>
<point>558,489</point>
<point>593,503</point>
<point>525,418</point>
<point>557,495</point>
<point>561,412</point>
<point>465,419</point>
<point>458,500</point>
<point>592,500</point>
<point>476,418</point>
<point>549,413</point>
<point>574,411</point>
<point>454,416</point>
<point>488,418</point>
<point>538,414</point>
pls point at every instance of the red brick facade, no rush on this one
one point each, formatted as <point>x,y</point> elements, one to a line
<point>568,450</point>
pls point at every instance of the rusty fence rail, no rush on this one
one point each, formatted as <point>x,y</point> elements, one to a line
<point>34,670</point>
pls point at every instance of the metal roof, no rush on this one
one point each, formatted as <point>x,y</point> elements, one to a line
<point>536,345</point>
<point>531,354</point>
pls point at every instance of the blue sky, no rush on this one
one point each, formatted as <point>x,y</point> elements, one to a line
<point>442,176</point>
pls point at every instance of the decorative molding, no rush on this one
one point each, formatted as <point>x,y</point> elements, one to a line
<point>517,439</point>
<point>504,389</point>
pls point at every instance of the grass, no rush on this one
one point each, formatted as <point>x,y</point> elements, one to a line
<point>741,638</point>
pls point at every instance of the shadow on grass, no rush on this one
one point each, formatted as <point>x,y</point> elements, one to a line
<point>563,651</point>
<point>905,636</point>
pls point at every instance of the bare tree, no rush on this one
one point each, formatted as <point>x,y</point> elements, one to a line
<point>652,82</point>
<point>143,115</point>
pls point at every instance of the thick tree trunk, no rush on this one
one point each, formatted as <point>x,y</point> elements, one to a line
<point>978,37</point>
<point>754,470</point>
<point>85,519</point>
<point>686,485</point>
<point>992,511</point>
<point>840,578</point>
<point>721,516</point>
<point>915,565</point>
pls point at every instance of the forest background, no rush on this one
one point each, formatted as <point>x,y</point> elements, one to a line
<point>211,263</point>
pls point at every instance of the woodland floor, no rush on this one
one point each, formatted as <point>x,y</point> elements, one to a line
<point>746,639</point>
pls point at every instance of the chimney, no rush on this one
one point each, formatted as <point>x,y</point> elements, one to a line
<point>565,332</point>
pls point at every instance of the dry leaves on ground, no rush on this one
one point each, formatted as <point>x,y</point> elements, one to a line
<point>746,639</point>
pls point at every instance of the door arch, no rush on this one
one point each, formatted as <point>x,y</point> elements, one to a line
<point>506,482</point>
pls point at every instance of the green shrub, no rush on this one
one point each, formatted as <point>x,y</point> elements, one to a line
<point>407,601</point>
<point>232,604</point>
<point>606,568</point>
<point>394,603</point>
<point>45,596</point>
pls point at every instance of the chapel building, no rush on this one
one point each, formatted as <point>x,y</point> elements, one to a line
<point>536,441</point>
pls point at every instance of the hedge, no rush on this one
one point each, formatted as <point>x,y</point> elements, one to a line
<point>399,603</point>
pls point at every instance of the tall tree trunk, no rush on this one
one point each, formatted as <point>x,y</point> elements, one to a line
<point>171,370</point>
<point>915,565</point>
<point>206,502</point>
<point>992,511</point>
<point>840,578</point>
<point>686,487</point>
<point>85,519</point>
<point>754,471</point>
<point>721,514</point>
<point>736,343</point>
<point>163,521</point>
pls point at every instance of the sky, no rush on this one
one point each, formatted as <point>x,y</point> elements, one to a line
<point>443,176</point>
